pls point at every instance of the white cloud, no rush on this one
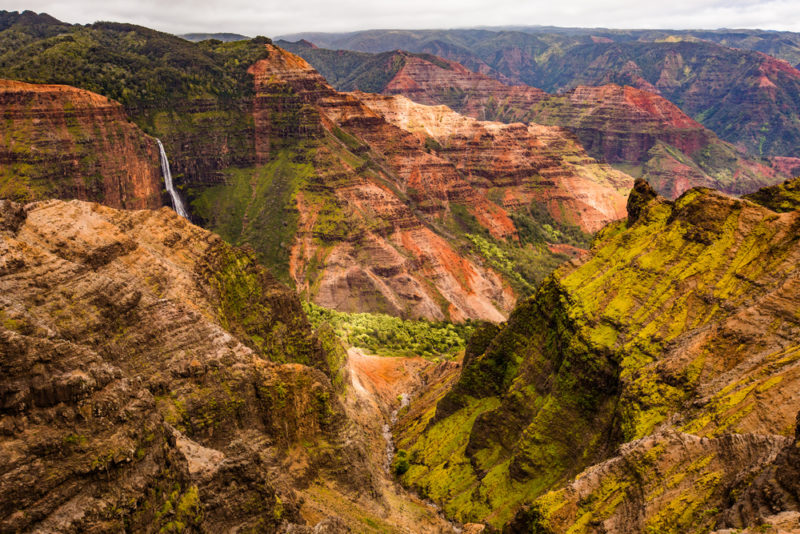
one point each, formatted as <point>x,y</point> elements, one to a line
<point>273,17</point>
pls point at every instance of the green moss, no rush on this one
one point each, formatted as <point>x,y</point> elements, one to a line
<point>254,199</point>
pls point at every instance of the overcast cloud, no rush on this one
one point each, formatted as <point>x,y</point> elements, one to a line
<point>276,17</point>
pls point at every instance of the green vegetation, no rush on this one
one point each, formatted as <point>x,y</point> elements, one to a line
<point>256,207</point>
<point>526,263</point>
<point>257,308</point>
<point>572,373</point>
<point>400,464</point>
<point>781,198</point>
<point>138,67</point>
<point>392,336</point>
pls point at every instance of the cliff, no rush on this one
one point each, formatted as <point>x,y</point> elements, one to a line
<point>643,388</point>
<point>155,378</point>
<point>638,130</point>
<point>63,142</point>
<point>654,139</point>
<point>374,215</point>
<point>731,90</point>
<point>518,164</point>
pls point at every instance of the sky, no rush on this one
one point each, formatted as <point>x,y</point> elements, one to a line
<point>278,17</point>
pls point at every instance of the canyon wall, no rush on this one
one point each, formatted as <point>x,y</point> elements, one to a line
<point>63,142</point>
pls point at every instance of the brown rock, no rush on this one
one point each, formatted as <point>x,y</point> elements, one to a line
<point>69,143</point>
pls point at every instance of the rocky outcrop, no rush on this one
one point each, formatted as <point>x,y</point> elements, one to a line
<point>773,497</point>
<point>367,201</point>
<point>63,142</point>
<point>644,387</point>
<point>781,198</point>
<point>361,216</point>
<point>438,81</point>
<point>153,377</point>
<point>519,163</point>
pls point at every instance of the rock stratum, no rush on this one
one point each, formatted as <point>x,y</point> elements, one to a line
<point>638,130</point>
<point>368,199</point>
<point>154,378</point>
<point>63,142</point>
<point>357,212</point>
<point>651,387</point>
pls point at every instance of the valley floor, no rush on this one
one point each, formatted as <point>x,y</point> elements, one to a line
<point>377,385</point>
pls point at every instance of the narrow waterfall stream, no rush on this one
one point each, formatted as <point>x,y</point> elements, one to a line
<point>177,203</point>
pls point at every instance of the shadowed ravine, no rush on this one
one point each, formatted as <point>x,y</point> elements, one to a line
<point>381,386</point>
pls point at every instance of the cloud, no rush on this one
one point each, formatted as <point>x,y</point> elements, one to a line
<point>273,17</point>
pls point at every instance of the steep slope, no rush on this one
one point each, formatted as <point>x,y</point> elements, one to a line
<point>373,209</point>
<point>63,142</point>
<point>155,378</point>
<point>639,130</point>
<point>746,97</point>
<point>640,390</point>
<point>362,190</point>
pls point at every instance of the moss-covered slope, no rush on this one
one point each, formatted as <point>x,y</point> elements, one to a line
<point>684,319</point>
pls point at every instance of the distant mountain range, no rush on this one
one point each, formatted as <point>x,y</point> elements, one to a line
<point>746,97</point>
<point>224,37</point>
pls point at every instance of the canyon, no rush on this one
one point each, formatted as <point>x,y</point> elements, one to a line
<point>375,201</point>
<point>364,215</point>
<point>637,130</point>
<point>397,293</point>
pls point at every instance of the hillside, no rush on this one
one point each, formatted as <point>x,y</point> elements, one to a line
<point>63,142</point>
<point>639,131</point>
<point>758,89</point>
<point>155,378</point>
<point>648,388</point>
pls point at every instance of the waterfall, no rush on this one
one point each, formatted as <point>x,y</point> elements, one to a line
<point>177,203</point>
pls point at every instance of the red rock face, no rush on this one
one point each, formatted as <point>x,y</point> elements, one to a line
<point>622,123</point>
<point>462,90</point>
<point>626,125</point>
<point>518,163</point>
<point>390,252</point>
<point>786,166</point>
<point>397,263</point>
<point>69,143</point>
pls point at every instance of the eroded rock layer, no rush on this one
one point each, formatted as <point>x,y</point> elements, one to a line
<point>637,128</point>
<point>153,377</point>
<point>59,141</point>
<point>365,201</point>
